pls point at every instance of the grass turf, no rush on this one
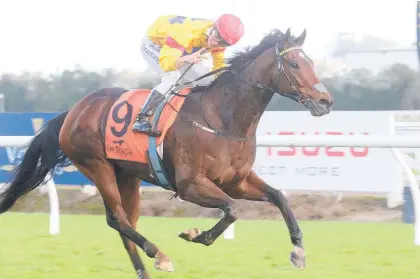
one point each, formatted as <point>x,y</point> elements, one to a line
<point>88,248</point>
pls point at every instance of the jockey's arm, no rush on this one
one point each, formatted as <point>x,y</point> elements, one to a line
<point>170,58</point>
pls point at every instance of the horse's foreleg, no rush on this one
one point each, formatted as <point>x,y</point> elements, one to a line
<point>255,189</point>
<point>203,192</point>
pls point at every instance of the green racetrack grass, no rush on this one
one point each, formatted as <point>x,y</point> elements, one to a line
<point>87,248</point>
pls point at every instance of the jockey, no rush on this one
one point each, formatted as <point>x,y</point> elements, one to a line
<point>172,43</point>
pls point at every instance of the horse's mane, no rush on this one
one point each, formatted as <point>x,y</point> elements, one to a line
<point>240,58</point>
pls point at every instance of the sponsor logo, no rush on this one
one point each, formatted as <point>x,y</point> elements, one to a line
<point>120,150</point>
<point>355,152</point>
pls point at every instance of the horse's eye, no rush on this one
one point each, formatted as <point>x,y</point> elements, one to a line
<point>294,64</point>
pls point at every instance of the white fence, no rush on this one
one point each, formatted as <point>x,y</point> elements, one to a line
<point>17,141</point>
<point>391,142</point>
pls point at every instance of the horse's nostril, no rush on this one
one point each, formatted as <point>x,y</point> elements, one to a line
<point>324,102</point>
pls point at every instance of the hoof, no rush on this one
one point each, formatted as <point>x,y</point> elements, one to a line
<point>204,238</point>
<point>297,257</point>
<point>190,234</point>
<point>142,274</point>
<point>162,263</point>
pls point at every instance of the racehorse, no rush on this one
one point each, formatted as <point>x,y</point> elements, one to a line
<point>208,151</point>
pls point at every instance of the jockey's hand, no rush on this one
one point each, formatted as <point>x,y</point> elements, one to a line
<point>196,57</point>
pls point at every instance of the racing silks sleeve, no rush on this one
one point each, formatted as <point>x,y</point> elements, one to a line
<point>173,48</point>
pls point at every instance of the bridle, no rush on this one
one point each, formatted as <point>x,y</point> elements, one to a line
<point>296,95</point>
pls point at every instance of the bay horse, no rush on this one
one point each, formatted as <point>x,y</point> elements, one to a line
<point>208,152</point>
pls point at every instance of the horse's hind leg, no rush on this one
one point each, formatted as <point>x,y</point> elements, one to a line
<point>254,188</point>
<point>129,245</point>
<point>203,192</point>
<point>130,196</point>
<point>101,172</point>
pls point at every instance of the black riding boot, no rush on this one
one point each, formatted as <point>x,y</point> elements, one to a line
<point>142,124</point>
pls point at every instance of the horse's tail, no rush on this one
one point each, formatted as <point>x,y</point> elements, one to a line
<point>42,155</point>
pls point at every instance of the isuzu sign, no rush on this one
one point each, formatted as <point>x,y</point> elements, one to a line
<point>318,151</point>
<point>356,169</point>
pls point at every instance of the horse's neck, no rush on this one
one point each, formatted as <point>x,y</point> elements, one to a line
<point>239,106</point>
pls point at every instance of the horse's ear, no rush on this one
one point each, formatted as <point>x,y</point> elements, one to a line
<point>301,39</point>
<point>287,35</point>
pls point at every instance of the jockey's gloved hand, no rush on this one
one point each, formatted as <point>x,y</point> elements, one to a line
<point>196,57</point>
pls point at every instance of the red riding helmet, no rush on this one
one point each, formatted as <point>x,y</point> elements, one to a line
<point>230,28</point>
